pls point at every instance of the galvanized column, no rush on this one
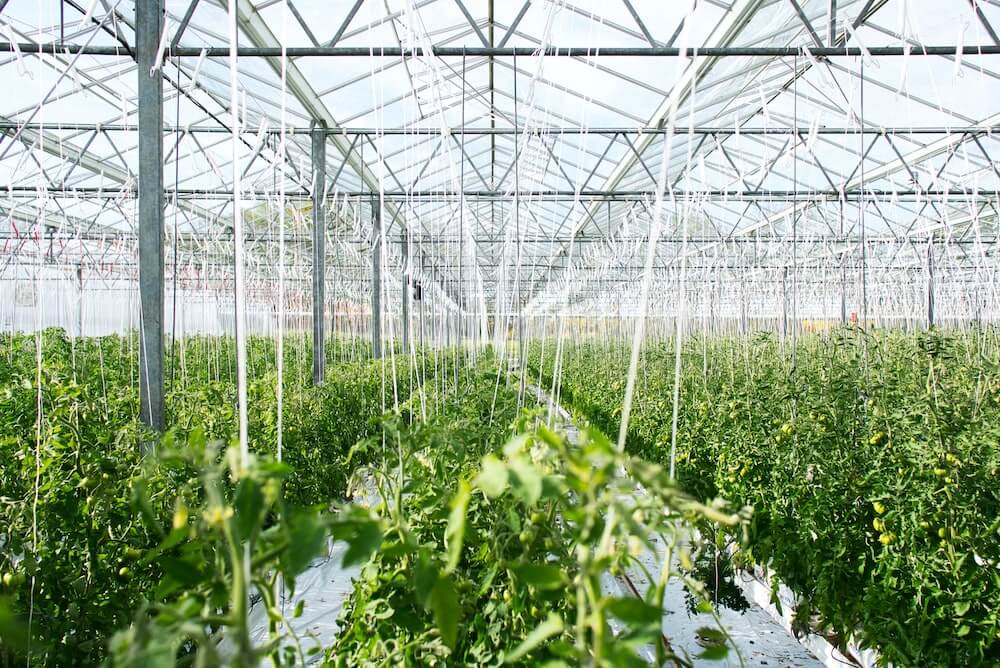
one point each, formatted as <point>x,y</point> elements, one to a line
<point>784,304</point>
<point>406,290</point>
<point>377,280</point>
<point>831,29</point>
<point>319,251</point>
<point>148,23</point>
<point>843,272</point>
<point>930,283</point>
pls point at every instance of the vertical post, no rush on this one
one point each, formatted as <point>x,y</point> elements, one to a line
<point>406,288</point>
<point>148,23</point>
<point>319,251</point>
<point>377,279</point>
<point>79,301</point>
<point>843,269</point>
<point>784,304</point>
<point>744,324</point>
<point>930,283</point>
<point>831,30</point>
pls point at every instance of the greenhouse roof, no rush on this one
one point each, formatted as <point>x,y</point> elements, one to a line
<point>752,161</point>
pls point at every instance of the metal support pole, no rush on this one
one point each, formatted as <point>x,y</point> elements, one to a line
<point>843,291</point>
<point>79,303</point>
<point>930,283</point>
<point>843,273</point>
<point>319,251</point>
<point>377,281</point>
<point>831,30</point>
<point>148,23</point>
<point>407,282</point>
<point>784,305</point>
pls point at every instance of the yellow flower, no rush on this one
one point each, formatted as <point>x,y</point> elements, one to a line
<point>216,515</point>
<point>180,515</point>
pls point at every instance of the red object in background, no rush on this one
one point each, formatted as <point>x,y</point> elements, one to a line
<point>854,316</point>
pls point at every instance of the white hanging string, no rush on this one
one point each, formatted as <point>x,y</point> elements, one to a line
<point>655,225</point>
<point>238,251</point>
<point>282,152</point>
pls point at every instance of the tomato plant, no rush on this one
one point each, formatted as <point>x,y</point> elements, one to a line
<point>871,460</point>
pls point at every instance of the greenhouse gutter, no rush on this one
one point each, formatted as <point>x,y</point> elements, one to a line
<point>542,131</point>
<point>521,51</point>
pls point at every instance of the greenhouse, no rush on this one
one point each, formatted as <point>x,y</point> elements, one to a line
<point>482,332</point>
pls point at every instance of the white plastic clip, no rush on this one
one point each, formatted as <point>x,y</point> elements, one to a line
<point>158,62</point>
<point>197,69</point>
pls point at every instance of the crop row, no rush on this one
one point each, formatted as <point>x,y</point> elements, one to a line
<point>871,460</point>
<point>78,504</point>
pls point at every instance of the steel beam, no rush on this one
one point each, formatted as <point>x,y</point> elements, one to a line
<point>56,126</point>
<point>60,48</point>
<point>319,253</point>
<point>149,21</point>
<point>735,194</point>
<point>985,22</point>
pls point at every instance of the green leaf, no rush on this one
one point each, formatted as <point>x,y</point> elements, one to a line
<point>425,576</point>
<point>360,530</point>
<point>184,571</point>
<point>306,537</point>
<point>172,539</point>
<point>517,445</point>
<point>13,630</point>
<point>249,504</point>
<point>549,436</point>
<point>492,478</point>
<point>140,501</point>
<point>709,635</point>
<point>525,481</point>
<point>714,653</point>
<point>196,440</point>
<point>487,581</point>
<point>365,541</point>
<point>447,610</point>
<point>553,625</point>
<point>634,611</point>
<point>962,607</point>
<point>540,576</point>
<point>454,534</point>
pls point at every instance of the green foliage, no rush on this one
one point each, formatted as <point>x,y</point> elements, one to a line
<point>508,568</point>
<point>73,552</point>
<point>871,460</point>
<point>433,593</point>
